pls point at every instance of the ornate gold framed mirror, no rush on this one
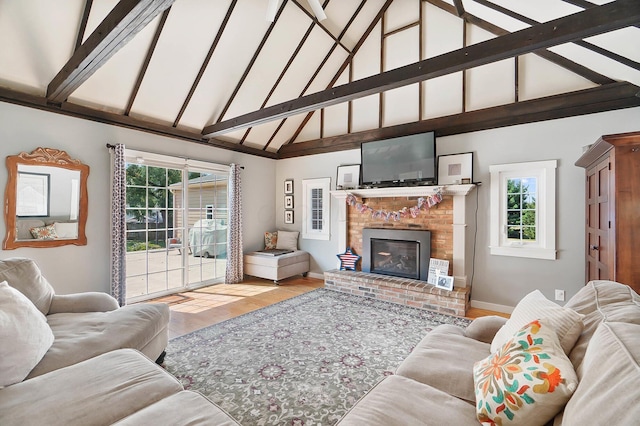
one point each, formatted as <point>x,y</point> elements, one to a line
<point>45,200</point>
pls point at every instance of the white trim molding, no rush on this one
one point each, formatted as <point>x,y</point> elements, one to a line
<point>544,245</point>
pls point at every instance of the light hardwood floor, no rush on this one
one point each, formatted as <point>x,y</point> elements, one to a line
<point>206,306</point>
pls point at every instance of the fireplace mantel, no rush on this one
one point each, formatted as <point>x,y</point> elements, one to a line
<point>463,219</point>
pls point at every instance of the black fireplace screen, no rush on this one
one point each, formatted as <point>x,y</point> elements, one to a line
<point>395,257</point>
<point>400,252</point>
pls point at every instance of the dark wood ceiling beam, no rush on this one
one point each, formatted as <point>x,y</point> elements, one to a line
<point>251,62</point>
<point>344,65</point>
<point>83,23</point>
<point>78,111</point>
<point>282,73</point>
<point>322,27</point>
<point>124,21</point>
<point>319,68</point>
<point>587,23</point>
<point>205,63</point>
<point>459,8</point>
<point>147,60</point>
<point>403,28</point>
<point>587,45</point>
<point>599,99</point>
<point>585,5</point>
<point>550,56</point>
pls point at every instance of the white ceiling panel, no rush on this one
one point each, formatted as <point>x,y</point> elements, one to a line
<point>235,50</point>
<point>362,22</point>
<point>303,67</point>
<point>401,13</point>
<point>539,77</point>
<point>178,57</point>
<point>37,38</point>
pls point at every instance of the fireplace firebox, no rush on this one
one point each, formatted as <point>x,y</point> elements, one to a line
<point>397,252</point>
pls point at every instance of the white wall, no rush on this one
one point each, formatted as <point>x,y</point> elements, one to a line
<point>86,268</point>
<point>498,281</point>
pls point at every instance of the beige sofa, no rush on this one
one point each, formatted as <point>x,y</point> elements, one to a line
<point>85,325</point>
<point>435,384</point>
<point>62,362</point>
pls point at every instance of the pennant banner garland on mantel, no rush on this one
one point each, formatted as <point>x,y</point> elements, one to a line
<point>424,203</point>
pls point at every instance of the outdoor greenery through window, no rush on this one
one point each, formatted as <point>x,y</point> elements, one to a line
<point>316,209</point>
<point>176,231</point>
<point>521,209</point>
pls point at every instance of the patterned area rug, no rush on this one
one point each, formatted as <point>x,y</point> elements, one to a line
<point>303,361</point>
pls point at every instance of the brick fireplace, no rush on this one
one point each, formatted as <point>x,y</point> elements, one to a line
<point>451,239</point>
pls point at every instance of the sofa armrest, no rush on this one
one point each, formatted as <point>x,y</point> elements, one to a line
<point>82,302</point>
<point>484,329</point>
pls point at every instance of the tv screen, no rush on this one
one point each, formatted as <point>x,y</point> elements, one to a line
<point>399,160</point>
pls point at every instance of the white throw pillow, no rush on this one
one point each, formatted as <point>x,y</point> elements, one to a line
<point>66,229</point>
<point>287,240</point>
<point>24,333</point>
<point>566,322</point>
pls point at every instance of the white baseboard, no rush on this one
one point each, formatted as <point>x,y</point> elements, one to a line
<point>317,275</point>
<point>492,306</point>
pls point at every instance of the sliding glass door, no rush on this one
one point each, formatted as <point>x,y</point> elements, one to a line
<point>176,226</point>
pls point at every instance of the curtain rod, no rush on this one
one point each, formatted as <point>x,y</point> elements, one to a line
<point>109,146</point>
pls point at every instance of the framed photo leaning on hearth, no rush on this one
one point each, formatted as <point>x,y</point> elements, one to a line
<point>348,176</point>
<point>444,282</point>
<point>453,168</point>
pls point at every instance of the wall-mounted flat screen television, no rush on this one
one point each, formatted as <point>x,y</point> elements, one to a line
<point>405,160</point>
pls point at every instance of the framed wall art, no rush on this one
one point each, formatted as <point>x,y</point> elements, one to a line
<point>288,217</point>
<point>453,168</point>
<point>348,176</point>
<point>288,201</point>
<point>444,282</point>
<point>288,186</point>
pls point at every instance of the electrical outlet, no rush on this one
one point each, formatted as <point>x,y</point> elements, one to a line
<point>560,295</point>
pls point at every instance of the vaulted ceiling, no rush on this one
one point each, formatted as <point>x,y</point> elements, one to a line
<point>219,73</point>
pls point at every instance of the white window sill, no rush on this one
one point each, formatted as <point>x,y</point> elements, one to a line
<point>523,251</point>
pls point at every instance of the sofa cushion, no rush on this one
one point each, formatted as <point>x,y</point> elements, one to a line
<point>601,301</point>
<point>609,388</point>
<point>431,362</point>
<point>400,401</point>
<point>270,240</point>
<point>566,322</point>
<point>24,333</point>
<point>184,408</point>
<point>287,240</point>
<point>47,232</point>
<point>24,275</point>
<point>101,390</point>
<point>80,336</point>
<point>527,381</point>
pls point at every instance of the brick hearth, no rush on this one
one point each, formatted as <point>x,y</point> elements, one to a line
<point>451,239</point>
<point>403,291</point>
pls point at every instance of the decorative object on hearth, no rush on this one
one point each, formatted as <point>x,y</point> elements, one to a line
<point>305,360</point>
<point>437,267</point>
<point>444,282</point>
<point>423,203</point>
<point>348,260</point>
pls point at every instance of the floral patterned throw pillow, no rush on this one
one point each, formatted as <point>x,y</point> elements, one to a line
<point>44,232</point>
<point>527,381</point>
<point>270,240</point>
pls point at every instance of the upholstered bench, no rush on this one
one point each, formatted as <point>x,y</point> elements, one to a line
<point>276,268</point>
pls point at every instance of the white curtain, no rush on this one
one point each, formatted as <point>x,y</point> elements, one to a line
<point>118,224</point>
<point>235,268</point>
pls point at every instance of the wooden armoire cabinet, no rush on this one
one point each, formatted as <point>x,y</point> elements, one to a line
<point>613,209</point>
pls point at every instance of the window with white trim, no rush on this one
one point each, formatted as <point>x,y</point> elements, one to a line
<point>315,208</point>
<point>523,209</point>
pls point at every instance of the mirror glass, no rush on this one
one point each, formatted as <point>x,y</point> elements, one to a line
<point>45,200</point>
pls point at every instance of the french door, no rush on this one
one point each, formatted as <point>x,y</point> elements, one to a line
<point>176,224</point>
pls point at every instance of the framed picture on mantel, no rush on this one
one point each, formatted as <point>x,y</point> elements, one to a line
<point>453,168</point>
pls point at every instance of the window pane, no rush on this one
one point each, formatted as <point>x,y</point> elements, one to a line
<point>529,233</point>
<point>136,197</point>
<point>513,201</point>
<point>136,175</point>
<point>513,232</point>
<point>157,176</point>
<point>513,217</point>
<point>513,186</point>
